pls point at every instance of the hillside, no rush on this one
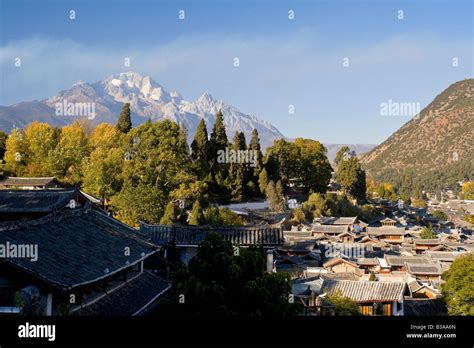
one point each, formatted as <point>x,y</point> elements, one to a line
<point>435,148</point>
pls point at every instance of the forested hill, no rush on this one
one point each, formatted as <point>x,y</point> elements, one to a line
<point>434,149</point>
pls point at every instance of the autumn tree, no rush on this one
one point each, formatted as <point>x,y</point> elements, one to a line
<point>15,153</point>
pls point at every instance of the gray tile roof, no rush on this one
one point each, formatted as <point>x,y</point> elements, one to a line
<point>332,229</point>
<point>267,235</point>
<point>34,201</point>
<point>22,181</point>
<point>365,291</point>
<point>400,261</point>
<point>338,220</point>
<point>76,247</point>
<point>130,298</point>
<point>443,255</point>
<point>427,241</point>
<point>424,269</point>
<point>386,230</point>
<point>424,307</point>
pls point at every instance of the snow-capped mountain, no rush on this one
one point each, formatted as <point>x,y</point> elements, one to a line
<point>147,99</point>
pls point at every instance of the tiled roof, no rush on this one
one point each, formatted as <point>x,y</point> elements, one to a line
<point>414,285</point>
<point>386,230</point>
<point>340,276</point>
<point>400,261</point>
<point>269,235</point>
<point>443,255</point>
<point>368,261</point>
<point>424,307</point>
<point>424,269</point>
<point>129,299</point>
<point>427,241</point>
<point>34,201</point>
<point>334,229</point>
<point>76,247</point>
<point>338,220</point>
<point>366,291</point>
<point>21,181</point>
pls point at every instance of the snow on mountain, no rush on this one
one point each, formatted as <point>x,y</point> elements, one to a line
<point>148,99</point>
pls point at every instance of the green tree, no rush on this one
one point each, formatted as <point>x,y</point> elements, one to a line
<point>197,216</point>
<point>372,277</point>
<point>439,214</point>
<point>200,150</point>
<point>343,153</point>
<point>343,306</point>
<point>222,283</point>
<point>351,177</point>
<point>171,214</point>
<point>458,288</point>
<point>263,180</point>
<point>236,179</point>
<point>3,144</point>
<point>222,216</point>
<point>124,123</point>
<point>254,146</point>
<point>427,233</point>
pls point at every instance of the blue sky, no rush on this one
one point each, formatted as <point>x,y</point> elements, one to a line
<point>282,62</point>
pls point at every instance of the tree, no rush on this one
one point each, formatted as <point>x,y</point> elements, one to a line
<point>303,162</point>
<point>219,169</point>
<point>316,206</point>
<point>372,277</point>
<point>124,123</point>
<point>197,216</point>
<point>254,146</point>
<point>40,140</point>
<point>65,160</point>
<point>351,177</point>
<point>236,179</point>
<point>139,203</point>
<point>171,214</point>
<point>427,233</point>
<point>439,214</point>
<point>458,288</point>
<point>298,216</point>
<point>215,216</point>
<point>343,306</point>
<point>15,153</point>
<point>275,198</point>
<point>343,153</point>
<point>468,190</point>
<point>200,150</point>
<point>3,144</point>
<point>222,283</point>
<point>263,181</point>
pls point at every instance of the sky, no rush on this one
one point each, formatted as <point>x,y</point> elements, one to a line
<point>334,64</point>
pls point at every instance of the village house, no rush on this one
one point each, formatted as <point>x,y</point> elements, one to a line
<point>20,183</point>
<point>421,245</point>
<point>87,263</point>
<point>373,298</point>
<point>425,271</point>
<point>187,238</point>
<point>389,234</point>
